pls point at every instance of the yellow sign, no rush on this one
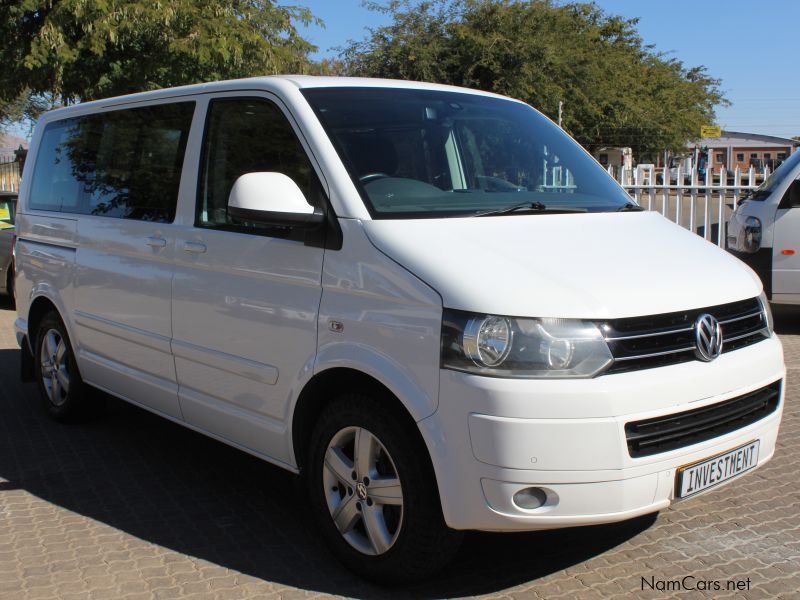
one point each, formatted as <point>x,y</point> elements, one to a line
<point>4,213</point>
<point>710,131</point>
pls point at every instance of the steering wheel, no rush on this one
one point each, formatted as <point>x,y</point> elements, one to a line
<point>372,177</point>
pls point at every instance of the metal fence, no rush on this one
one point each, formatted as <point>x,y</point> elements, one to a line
<point>9,175</point>
<point>702,203</point>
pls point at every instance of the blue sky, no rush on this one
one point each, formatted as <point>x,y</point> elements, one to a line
<point>749,45</point>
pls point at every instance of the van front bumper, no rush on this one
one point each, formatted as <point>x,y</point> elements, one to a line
<point>492,437</point>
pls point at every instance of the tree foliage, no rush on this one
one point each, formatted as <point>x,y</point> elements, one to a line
<point>617,91</point>
<point>24,107</point>
<point>75,50</point>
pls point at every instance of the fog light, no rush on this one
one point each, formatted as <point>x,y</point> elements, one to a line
<point>530,498</point>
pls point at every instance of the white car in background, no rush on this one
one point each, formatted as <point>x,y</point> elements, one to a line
<point>764,232</point>
<point>8,202</point>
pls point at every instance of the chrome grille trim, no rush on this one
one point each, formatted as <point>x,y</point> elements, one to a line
<point>743,317</point>
<point>676,351</point>
<point>660,340</point>
<point>646,335</point>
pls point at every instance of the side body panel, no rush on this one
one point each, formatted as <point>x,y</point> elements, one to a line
<point>46,266</point>
<point>378,318</point>
<point>244,320</point>
<point>122,309</point>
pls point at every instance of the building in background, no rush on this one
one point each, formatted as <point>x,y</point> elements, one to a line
<point>9,144</point>
<point>12,158</point>
<point>739,149</point>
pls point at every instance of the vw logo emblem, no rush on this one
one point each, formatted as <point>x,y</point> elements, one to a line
<point>708,337</point>
<point>361,491</point>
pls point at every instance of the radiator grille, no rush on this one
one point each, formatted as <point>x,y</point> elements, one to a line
<point>666,339</point>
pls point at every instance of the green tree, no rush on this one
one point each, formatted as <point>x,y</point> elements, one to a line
<point>617,91</point>
<point>72,50</point>
<point>25,107</point>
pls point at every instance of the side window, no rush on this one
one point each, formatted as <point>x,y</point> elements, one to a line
<point>125,164</point>
<point>54,186</point>
<point>248,135</point>
<point>136,171</point>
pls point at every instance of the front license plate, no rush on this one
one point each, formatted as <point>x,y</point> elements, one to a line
<point>699,476</point>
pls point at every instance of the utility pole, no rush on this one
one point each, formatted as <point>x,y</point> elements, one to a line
<point>560,111</point>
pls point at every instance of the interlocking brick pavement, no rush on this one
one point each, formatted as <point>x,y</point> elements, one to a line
<point>132,506</point>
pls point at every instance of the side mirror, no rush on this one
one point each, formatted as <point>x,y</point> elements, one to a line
<point>271,199</point>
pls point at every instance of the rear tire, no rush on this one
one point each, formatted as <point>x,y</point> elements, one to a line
<point>372,490</point>
<point>60,384</point>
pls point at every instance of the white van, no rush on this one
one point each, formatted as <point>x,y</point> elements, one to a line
<point>428,301</point>
<point>764,232</point>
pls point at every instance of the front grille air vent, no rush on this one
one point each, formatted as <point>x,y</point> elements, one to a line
<point>678,430</point>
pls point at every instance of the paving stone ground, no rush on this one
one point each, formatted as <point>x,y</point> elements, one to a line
<point>132,506</point>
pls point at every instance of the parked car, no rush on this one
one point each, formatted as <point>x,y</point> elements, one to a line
<point>764,232</point>
<point>8,201</point>
<point>425,300</point>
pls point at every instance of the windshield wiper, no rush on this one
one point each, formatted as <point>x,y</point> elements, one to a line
<point>630,207</point>
<point>537,207</point>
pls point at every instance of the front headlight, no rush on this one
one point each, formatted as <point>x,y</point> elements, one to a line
<point>744,233</point>
<point>524,348</point>
<point>767,311</point>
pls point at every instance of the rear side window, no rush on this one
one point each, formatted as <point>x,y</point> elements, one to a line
<point>55,186</point>
<point>125,164</point>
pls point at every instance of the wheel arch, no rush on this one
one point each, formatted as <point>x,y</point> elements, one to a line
<point>39,307</point>
<point>322,389</point>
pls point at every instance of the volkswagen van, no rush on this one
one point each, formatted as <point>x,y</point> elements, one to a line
<point>429,302</point>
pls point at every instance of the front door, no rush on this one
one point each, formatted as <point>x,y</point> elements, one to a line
<point>245,297</point>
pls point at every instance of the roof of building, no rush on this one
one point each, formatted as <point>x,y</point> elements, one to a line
<point>741,139</point>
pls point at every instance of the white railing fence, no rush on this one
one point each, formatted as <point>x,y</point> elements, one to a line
<point>700,203</point>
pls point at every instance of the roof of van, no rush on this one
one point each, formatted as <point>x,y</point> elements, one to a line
<point>269,82</point>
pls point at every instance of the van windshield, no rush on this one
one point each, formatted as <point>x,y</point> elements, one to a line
<point>423,153</point>
<point>773,181</point>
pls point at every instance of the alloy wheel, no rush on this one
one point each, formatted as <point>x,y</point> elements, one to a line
<point>363,490</point>
<point>54,367</point>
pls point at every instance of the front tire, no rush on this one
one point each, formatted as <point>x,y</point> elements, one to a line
<point>60,385</point>
<point>374,494</point>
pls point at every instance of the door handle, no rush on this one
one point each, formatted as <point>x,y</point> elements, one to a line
<point>155,242</point>
<point>194,247</point>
